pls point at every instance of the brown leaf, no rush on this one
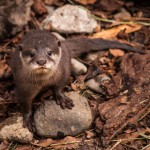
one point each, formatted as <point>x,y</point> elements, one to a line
<point>3,67</point>
<point>44,143</point>
<point>4,145</point>
<point>24,147</point>
<point>39,7</point>
<point>67,143</point>
<point>89,134</point>
<point>74,86</point>
<point>85,2</point>
<point>116,52</point>
<point>113,32</point>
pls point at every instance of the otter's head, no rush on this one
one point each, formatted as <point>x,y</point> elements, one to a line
<point>40,51</point>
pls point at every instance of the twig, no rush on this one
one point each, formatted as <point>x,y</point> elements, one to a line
<point>67,143</point>
<point>128,139</point>
<point>121,22</point>
<point>117,143</point>
<point>145,136</point>
<point>145,114</point>
<point>144,148</point>
<point>112,21</point>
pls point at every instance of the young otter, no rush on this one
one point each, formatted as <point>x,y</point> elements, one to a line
<point>41,60</point>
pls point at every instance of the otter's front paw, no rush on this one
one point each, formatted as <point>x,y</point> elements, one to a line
<point>65,102</point>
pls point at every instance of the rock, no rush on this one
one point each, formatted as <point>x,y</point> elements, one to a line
<point>12,129</point>
<point>70,19</point>
<point>53,121</point>
<point>18,15</point>
<point>95,84</point>
<point>92,56</point>
<point>50,10</point>
<point>77,67</point>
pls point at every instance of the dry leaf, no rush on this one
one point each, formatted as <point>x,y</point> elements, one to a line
<point>89,134</point>
<point>113,32</point>
<point>3,67</point>
<point>25,147</point>
<point>67,143</point>
<point>116,52</point>
<point>74,86</point>
<point>44,143</point>
<point>4,145</point>
<point>85,2</point>
<point>39,7</point>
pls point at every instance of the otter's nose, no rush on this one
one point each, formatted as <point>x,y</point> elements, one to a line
<point>41,62</point>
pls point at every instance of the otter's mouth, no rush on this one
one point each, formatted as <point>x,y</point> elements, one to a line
<point>42,68</point>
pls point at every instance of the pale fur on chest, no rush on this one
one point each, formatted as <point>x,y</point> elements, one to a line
<point>43,79</point>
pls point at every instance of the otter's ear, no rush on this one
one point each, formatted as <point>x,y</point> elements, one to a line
<point>59,43</point>
<point>20,47</point>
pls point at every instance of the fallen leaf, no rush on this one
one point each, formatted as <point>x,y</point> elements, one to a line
<point>116,52</point>
<point>89,134</point>
<point>85,2</point>
<point>39,7</point>
<point>4,145</point>
<point>44,143</point>
<point>25,147</point>
<point>113,32</point>
<point>74,86</point>
<point>67,143</point>
<point>3,67</point>
<point>123,100</point>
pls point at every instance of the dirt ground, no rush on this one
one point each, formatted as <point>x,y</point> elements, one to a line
<point>122,111</point>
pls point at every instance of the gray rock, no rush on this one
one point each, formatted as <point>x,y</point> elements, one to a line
<point>92,56</point>
<point>52,121</point>
<point>77,67</point>
<point>95,83</point>
<point>13,16</point>
<point>12,129</point>
<point>71,19</point>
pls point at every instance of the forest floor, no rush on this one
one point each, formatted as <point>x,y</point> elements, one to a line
<point>122,111</point>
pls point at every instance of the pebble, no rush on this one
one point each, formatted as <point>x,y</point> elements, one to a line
<point>94,84</point>
<point>70,19</point>
<point>77,67</point>
<point>53,121</point>
<point>12,129</point>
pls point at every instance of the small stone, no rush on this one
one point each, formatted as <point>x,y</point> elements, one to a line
<point>92,56</point>
<point>53,121</point>
<point>12,129</point>
<point>95,83</point>
<point>14,15</point>
<point>77,67</point>
<point>50,10</point>
<point>71,19</point>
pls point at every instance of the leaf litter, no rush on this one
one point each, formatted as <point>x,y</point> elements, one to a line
<point>122,115</point>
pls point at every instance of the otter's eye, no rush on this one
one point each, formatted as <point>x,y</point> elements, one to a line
<point>31,54</point>
<point>49,53</point>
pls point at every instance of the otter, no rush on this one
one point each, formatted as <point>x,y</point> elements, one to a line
<point>41,60</point>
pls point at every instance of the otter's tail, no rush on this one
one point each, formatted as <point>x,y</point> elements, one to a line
<point>78,46</point>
